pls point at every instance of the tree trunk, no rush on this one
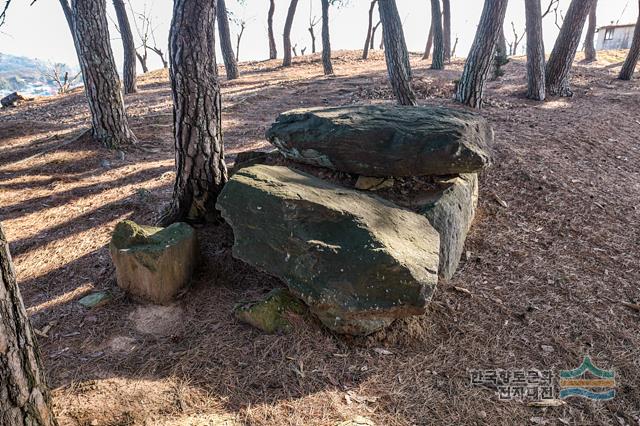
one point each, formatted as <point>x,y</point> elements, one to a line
<point>143,62</point>
<point>437,63</point>
<point>242,27</point>
<point>326,39</point>
<point>476,68</point>
<point>631,61</point>
<point>286,36</point>
<point>453,49</point>
<point>589,41</point>
<point>273,51</point>
<point>101,81</point>
<point>396,54</point>
<point>24,395</point>
<point>367,42</point>
<point>68,14</point>
<point>313,39</point>
<point>160,54</point>
<point>446,27</point>
<point>427,49</point>
<point>200,168</point>
<point>373,34</point>
<point>502,46</point>
<point>535,51</point>
<point>129,67</point>
<point>500,57</point>
<point>564,51</point>
<point>230,64</point>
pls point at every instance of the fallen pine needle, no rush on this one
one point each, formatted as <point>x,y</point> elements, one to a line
<point>633,306</point>
<point>547,403</point>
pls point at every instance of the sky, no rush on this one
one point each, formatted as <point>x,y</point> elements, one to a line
<point>40,31</point>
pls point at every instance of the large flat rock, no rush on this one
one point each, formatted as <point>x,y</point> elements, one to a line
<point>385,140</point>
<point>356,260</point>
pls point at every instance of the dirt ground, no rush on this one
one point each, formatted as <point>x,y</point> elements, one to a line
<point>551,261</point>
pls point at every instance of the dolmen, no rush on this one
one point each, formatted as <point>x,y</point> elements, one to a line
<point>368,247</point>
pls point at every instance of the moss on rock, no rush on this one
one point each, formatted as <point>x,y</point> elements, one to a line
<point>271,313</point>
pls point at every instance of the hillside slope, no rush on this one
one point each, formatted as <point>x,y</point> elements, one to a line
<point>551,260</point>
<point>19,73</point>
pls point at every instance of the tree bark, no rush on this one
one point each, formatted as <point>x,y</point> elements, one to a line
<point>230,64</point>
<point>631,61</point>
<point>564,51</point>
<point>101,81</point>
<point>589,41</point>
<point>129,67</point>
<point>367,42</point>
<point>535,51</point>
<point>24,395</point>
<point>286,36</point>
<point>273,51</point>
<point>200,168</point>
<point>476,68</point>
<point>437,63</point>
<point>326,39</point>
<point>427,49</point>
<point>398,66</point>
<point>446,27</point>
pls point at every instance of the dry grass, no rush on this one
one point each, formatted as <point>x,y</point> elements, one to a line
<point>552,268</point>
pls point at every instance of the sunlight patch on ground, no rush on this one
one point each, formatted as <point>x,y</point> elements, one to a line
<point>39,223</point>
<point>560,103</point>
<point>61,300</point>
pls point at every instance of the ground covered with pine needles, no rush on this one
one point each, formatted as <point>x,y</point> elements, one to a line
<point>550,273</point>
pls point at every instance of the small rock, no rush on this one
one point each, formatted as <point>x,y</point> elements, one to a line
<point>382,351</point>
<point>13,99</point>
<point>106,164</point>
<point>251,158</point>
<point>271,314</point>
<point>366,183</point>
<point>94,300</point>
<point>153,264</point>
<point>144,195</point>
